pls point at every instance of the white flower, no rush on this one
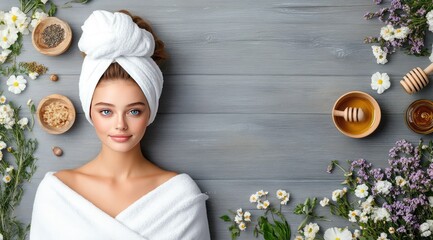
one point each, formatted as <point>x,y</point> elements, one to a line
<point>356,234</point>
<point>259,204</point>
<point>383,187</point>
<point>254,198</point>
<point>383,236</point>
<point>14,16</point>
<point>429,17</point>
<point>380,214</point>
<point>1,155</point>
<point>299,237</point>
<point>353,214</point>
<point>7,116</point>
<point>10,168</point>
<point>261,193</point>
<point>33,75</point>
<point>37,18</point>
<point>337,233</point>
<point>391,230</point>
<point>23,122</point>
<point>361,191</point>
<point>247,216</point>
<point>310,230</point>
<point>387,33</point>
<point>1,236</point>
<point>380,82</point>
<point>240,212</point>
<point>430,223</point>
<point>281,194</point>
<point>8,37</point>
<point>376,50</point>
<point>338,194</point>
<point>399,180</point>
<point>238,219</point>
<point>242,226</point>
<point>424,227</point>
<point>285,200</point>
<point>22,26</point>
<point>16,84</point>
<point>44,1</point>
<point>2,99</point>
<point>381,58</point>
<point>7,178</point>
<point>426,233</point>
<point>401,33</point>
<point>29,102</point>
<point>324,202</point>
<point>265,204</point>
<point>363,218</point>
<point>2,145</point>
<point>4,55</point>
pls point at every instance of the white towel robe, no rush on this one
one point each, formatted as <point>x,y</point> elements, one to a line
<point>174,210</point>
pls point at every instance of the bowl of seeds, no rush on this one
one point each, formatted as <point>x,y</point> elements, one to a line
<point>56,114</point>
<point>52,36</point>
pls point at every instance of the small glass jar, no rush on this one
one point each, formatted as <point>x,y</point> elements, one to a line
<point>419,116</point>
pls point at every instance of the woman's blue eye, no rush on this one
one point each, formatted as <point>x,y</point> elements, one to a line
<point>135,112</point>
<point>105,112</point>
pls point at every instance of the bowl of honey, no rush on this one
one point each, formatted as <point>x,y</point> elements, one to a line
<point>370,120</point>
<point>419,116</point>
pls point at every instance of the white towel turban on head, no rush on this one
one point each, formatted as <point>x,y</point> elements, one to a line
<point>113,37</point>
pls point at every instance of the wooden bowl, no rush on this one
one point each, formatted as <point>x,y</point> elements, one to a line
<point>39,43</point>
<point>64,123</point>
<point>371,110</point>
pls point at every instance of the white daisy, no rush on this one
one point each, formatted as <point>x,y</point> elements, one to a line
<point>242,226</point>
<point>15,16</point>
<point>2,145</point>
<point>324,202</point>
<point>4,55</point>
<point>380,82</point>
<point>361,191</point>
<point>33,75</point>
<point>401,33</point>
<point>247,216</point>
<point>2,99</point>
<point>7,179</point>
<point>10,168</point>
<point>337,233</point>
<point>16,84</point>
<point>23,122</point>
<point>387,33</point>
<point>37,18</point>
<point>381,58</point>
<point>8,37</point>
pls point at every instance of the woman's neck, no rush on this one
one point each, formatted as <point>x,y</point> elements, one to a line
<point>120,165</point>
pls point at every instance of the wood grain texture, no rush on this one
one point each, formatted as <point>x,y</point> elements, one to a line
<point>247,97</point>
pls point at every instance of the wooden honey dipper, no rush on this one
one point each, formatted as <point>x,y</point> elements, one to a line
<point>416,79</point>
<point>351,114</point>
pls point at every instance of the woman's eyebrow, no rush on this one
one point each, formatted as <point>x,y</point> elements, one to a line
<point>112,105</point>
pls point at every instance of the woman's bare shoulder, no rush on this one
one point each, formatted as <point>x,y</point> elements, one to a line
<point>67,176</point>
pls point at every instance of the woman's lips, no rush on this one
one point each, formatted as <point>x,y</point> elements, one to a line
<point>120,138</point>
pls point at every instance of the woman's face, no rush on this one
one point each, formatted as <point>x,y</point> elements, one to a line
<point>120,113</point>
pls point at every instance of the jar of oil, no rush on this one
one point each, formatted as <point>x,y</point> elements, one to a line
<point>419,116</point>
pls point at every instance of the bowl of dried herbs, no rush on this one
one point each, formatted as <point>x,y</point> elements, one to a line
<point>52,36</point>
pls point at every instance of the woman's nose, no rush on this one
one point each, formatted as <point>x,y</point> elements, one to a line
<point>121,123</point>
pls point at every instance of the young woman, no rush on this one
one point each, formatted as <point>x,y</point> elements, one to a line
<point>119,194</point>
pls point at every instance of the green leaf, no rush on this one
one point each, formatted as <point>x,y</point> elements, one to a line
<point>226,218</point>
<point>53,9</point>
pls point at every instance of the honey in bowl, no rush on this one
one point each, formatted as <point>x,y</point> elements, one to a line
<point>357,127</point>
<point>419,116</point>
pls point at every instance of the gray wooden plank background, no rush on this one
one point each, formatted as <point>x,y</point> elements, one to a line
<point>247,96</point>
